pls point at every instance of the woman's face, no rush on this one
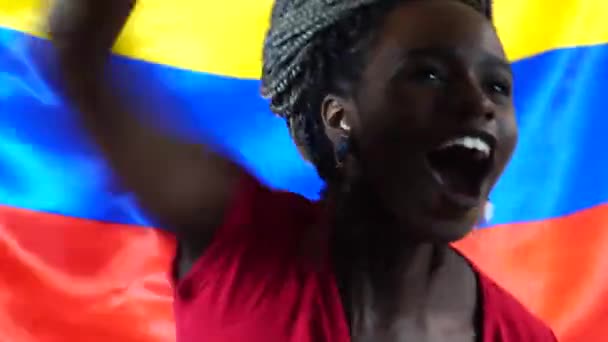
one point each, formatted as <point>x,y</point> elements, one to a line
<point>433,117</point>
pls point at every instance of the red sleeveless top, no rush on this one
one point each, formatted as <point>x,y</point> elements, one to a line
<point>266,277</point>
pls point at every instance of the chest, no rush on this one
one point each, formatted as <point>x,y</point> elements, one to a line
<point>407,328</point>
<point>302,312</point>
<point>443,318</point>
<point>226,301</point>
<point>443,308</point>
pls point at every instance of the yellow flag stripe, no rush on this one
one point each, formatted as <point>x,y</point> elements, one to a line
<point>225,37</point>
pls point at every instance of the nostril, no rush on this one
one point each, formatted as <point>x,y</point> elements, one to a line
<point>489,115</point>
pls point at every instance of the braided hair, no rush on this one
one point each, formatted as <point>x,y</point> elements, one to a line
<point>317,47</point>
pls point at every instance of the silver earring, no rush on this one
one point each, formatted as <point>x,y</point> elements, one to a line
<point>488,212</point>
<point>344,125</point>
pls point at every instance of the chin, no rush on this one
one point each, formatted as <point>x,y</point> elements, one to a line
<point>448,231</point>
<point>433,229</point>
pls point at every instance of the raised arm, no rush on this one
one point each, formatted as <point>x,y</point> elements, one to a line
<point>184,186</point>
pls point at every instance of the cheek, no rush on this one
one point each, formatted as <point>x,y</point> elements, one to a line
<point>391,136</point>
<point>382,148</point>
<point>388,154</point>
<point>399,115</point>
<point>509,133</point>
<point>508,136</point>
<point>392,132</point>
<point>415,103</point>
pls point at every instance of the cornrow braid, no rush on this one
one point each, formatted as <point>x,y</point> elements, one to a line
<point>315,47</point>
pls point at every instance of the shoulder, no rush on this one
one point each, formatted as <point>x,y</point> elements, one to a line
<point>265,205</point>
<point>505,316</point>
<point>260,225</point>
<point>260,217</point>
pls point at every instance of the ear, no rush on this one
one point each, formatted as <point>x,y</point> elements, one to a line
<point>336,112</point>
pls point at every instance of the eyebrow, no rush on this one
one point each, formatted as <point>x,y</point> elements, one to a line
<point>486,59</point>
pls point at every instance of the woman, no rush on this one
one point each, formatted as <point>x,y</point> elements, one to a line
<point>406,110</point>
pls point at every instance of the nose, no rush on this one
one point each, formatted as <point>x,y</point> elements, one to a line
<point>475,104</point>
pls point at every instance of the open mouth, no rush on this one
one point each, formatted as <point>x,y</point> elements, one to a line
<point>462,164</point>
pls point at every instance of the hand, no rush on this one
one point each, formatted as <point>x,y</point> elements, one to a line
<point>84,31</point>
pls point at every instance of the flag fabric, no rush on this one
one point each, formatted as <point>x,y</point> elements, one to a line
<point>80,261</point>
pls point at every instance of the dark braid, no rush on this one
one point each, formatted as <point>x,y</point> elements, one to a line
<point>317,47</point>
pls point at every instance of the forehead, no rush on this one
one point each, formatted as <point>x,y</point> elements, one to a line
<point>450,24</point>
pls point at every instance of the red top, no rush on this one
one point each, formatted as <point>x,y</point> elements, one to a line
<point>266,277</point>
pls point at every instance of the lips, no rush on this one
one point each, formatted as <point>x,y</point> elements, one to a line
<point>462,164</point>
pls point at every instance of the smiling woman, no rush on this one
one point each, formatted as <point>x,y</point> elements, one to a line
<point>370,91</point>
<point>67,265</point>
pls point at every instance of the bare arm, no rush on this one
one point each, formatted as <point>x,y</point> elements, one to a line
<point>185,186</point>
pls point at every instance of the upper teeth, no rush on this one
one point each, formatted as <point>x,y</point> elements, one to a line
<point>473,143</point>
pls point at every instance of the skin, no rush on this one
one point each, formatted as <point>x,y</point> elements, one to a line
<point>412,97</point>
<point>436,70</point>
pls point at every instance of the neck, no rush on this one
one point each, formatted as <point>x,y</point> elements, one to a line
<point>376,265</point>
<point>368,242</point>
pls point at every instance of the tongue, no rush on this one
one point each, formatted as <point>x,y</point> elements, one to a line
<point>460,169</point>
<point>457,180</point>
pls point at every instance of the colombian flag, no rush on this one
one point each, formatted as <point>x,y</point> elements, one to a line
<point>80,262</point>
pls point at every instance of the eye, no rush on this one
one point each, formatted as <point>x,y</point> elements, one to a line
<point>427,75</point>
<point>498,87</point>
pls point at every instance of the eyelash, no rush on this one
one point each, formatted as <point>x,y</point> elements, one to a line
<point>427,74</point>
<point>493,85</point>
<point>498,87</point>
